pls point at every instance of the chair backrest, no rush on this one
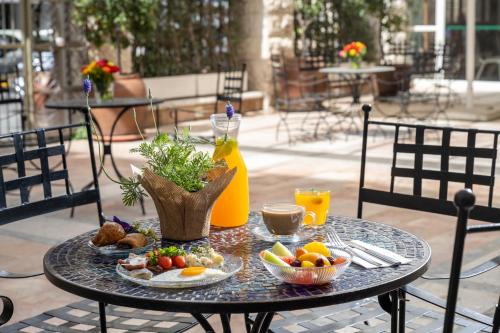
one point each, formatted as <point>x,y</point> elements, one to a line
<point>232,80</point>
<point>445,150</point>
<point>312,63</point>
<point>44,146</point>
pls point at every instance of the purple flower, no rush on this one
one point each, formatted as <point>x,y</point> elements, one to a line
<point>229,110</point>
<point>87,86</point>
<point>127,227</point>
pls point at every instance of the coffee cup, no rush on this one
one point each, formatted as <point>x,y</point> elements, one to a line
<point>284,218</point>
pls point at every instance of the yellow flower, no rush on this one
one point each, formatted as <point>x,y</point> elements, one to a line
<point>352,53</point>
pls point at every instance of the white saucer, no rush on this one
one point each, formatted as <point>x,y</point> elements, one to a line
<point>260,231</point>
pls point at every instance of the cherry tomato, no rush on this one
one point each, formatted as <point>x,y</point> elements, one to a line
<point>165,262</point>
<point>179,261</point>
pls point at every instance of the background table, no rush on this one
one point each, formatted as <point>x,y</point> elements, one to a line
<point>74,267</point>
<point>126,104</point>
<point>354,76</point>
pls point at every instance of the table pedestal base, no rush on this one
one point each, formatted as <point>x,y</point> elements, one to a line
<point>259,325</point>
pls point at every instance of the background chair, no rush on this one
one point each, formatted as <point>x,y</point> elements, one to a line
<point>230,83</point>
<point>12,117</point>
<point>303,94</point>
<point>427,102</point>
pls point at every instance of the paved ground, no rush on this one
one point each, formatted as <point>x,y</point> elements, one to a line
<point>275,169</point>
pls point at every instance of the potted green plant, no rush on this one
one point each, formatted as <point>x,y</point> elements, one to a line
<point>122,24</point>
<point>183,182</point>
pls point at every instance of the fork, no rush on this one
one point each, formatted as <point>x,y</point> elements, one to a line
<point>335,240</point>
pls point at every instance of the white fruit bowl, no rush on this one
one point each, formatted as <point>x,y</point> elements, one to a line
<point>310,275</point>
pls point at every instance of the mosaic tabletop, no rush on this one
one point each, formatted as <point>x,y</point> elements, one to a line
<point>74,267</point>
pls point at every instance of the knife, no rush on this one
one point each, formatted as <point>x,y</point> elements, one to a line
<point>378,255</point>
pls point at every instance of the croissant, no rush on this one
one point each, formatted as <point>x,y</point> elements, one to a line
<point>132,241</point>
<point>110,233</point>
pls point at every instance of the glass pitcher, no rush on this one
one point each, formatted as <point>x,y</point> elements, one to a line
<point>232,207</point>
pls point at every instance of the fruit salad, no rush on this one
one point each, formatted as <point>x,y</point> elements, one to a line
<point>314,254</point>
<point>312,264</point>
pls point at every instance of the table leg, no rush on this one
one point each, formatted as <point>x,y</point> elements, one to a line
<point>225,319</point>
<point>393,303</point>
<point>203,322</point>
<point>260,324</point>
<point>248,323</point>
<point>402,310</point>
<point>394,311</point>
<point>356,94</point>
<point>102,317</point>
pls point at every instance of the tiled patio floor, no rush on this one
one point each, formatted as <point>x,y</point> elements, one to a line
<point>275,169</point>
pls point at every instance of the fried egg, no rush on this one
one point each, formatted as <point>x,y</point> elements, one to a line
<point>176,275</point>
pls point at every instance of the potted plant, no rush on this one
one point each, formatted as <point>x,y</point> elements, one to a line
<point>123,24</point>
<point>183,182</point>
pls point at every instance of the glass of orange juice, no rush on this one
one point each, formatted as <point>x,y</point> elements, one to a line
<point>314,200</point>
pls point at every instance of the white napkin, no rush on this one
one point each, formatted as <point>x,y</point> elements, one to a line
<point>365,264</point>
<point>385,252</point>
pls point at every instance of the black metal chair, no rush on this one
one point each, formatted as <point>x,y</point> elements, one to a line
<point>419,202</point>
<point>440,205</point>
<point>22,180</point>
<point>304,94</point>
<point>230,84</point>
<point>464,201</point>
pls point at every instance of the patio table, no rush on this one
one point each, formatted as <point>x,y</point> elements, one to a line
<point>75,268</point>
<point>354,76</point>
<point>125,104</point>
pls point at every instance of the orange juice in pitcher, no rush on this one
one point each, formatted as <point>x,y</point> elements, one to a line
<point>232,207</point>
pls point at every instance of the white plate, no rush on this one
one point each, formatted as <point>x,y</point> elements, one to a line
<point>232,265</point>
<point>260,231</point>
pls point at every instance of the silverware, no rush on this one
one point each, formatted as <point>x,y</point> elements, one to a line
<point>335,240</point>
<point>393,262</point>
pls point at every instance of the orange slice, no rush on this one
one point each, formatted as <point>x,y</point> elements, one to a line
<point>317,247</point>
